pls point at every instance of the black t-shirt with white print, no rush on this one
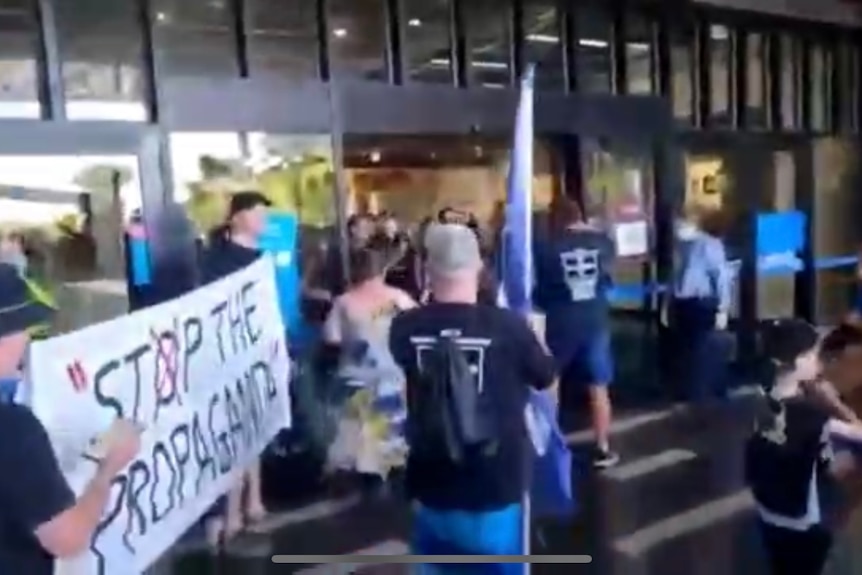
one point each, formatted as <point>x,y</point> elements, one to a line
<point>784,457</point>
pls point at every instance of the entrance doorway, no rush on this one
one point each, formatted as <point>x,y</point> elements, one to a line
<point>67,194</point>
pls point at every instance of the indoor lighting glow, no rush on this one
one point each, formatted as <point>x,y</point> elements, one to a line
<point>592,43</point>
<point>374,157</point>
<point>339,32</point>
<point>487,65</point>
<point>414,22</point>
<point>543,38</point>
<point>161,16</point>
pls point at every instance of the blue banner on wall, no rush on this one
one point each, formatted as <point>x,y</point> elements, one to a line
<point>280,239</point>
<point>780,238</point>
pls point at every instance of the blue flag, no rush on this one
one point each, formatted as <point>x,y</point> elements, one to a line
<point>516,258</point>
<point>551,491</point>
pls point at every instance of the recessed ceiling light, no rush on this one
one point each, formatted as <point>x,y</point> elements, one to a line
<point>339,32</point>
<point>161,16</point>
<point>374,156</point>
<point>414,22</point>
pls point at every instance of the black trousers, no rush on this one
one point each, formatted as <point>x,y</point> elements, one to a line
<point>792,552</point>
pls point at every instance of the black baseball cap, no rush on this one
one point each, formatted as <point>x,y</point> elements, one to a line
<point>244,201</point>
<point>19,310</point>
<point>784,340</point>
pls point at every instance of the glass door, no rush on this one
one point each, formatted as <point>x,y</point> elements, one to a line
<point>68,196</point>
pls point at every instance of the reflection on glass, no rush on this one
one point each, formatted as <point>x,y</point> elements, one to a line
<point>542,45</point>
<point>102,64</point>
<point>282,38</point>
<point>789,94</point>
<point>719,70</point>
<point>776,294</point>
<point>682,70</point>
<point>639,62</point>
<point>848,94</point>
<point>836,221</point>
<point>426,41</point>
<point>357,38</point>
<point>415,177</point>
<point>618,184</point>
<point>755,100</point>
<point>296,173</point>
<point>594,52</point>
<point>194,38</point>
<point>818,87</point>
<point>70,213</point>
<point>488,40</point>
<point>19,97</point>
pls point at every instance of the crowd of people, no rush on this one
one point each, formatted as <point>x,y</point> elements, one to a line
<point>418,370</point>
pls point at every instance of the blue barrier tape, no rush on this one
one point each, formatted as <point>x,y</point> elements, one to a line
<point>624,293</point>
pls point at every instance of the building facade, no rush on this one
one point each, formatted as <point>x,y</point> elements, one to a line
<point>113,107</point>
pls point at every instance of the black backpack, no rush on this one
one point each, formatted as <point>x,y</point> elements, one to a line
<point>447,413</point>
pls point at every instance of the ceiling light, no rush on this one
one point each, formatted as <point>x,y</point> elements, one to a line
<point>543,38</point>
<point>592,43</point>
<point>485,64</point>
<point>637,46</point>
<point>374,156</point>
<point>414,22</point>
<point>339,32</point>
<point>161,16</point>
<point>718,32</point>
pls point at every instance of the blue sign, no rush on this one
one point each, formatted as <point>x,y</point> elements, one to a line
<point>780,238</point>
<point>280,239</point>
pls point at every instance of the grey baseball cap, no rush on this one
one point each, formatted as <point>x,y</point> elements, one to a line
<point>451,249</point>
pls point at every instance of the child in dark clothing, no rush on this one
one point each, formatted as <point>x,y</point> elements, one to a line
<point>789,457</point>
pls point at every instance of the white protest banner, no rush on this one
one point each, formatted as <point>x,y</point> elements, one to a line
<point>206,375</point>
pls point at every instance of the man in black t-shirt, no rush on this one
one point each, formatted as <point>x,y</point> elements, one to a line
<point>39,516</point>
<point>473,506</point>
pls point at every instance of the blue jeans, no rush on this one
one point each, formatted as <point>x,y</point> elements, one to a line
<point>453,532</point>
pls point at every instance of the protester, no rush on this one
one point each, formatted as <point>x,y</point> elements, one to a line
<point>12,251</point>
<point>233,246</point>
<point>702,291</point>
<point>369,438</point>
<point>40,519</point>
<point>466,478</point>
<point>841,356</point>
<point>572,273</point>
<point>789,458</point>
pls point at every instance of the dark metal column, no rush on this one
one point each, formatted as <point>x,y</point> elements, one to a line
<point>516,51</point>
<point>320,8</point>
<point>619,63</point>
<point>803,84</point>
<point>238,13</point>
<point>703,84</point>
<point>394,42</point>
<point>805,282</point>
<point>52,91</point>
<point>569,39</point>
<point>151,64</point>
<point>774,84</point>
<point>739,78</point>
<point>458,43</point>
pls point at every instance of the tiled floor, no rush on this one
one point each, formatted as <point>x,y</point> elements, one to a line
<point>675,506</point>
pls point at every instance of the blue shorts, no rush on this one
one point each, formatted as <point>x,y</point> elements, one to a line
<point>585,361</point>
<point>451,532</point>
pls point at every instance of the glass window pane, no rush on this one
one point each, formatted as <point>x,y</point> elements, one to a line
<point>818,87</point>
<point>847,94</point>
<point>755,97</point>
<point>69,213</point>
<point>357,39</point>
<point>102,60</point>
<point>542,45</point>
<point>194,38</point>
<point>594,52</point>
<point>719,72</point>
<point>488,43</point>
<point>682,70</point>
<point>19,96</point>
<point>426,41</point>
<point>789,63</point>
<point>282,37</point>
<point>639,62</point>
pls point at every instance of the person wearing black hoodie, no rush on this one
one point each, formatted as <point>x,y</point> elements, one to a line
<point>231,247</point>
